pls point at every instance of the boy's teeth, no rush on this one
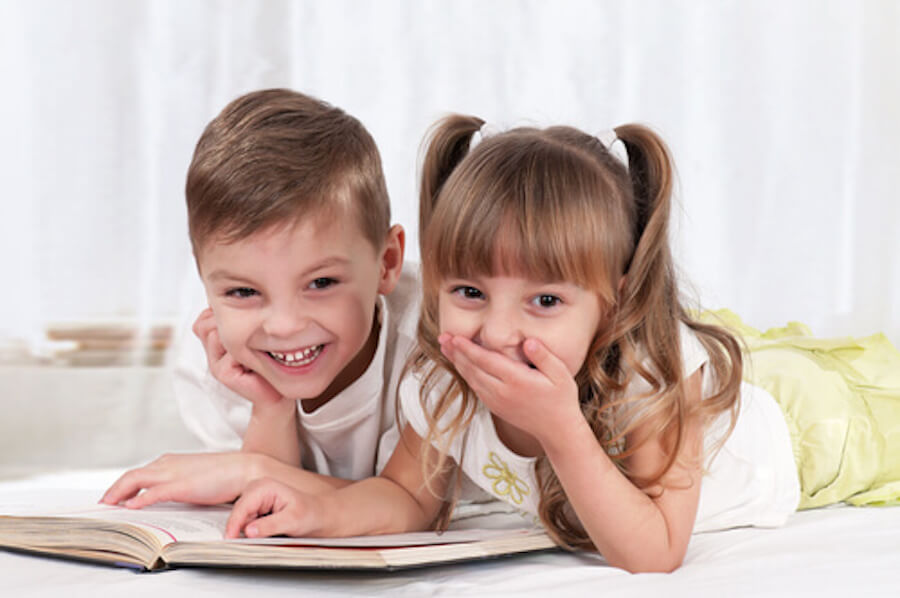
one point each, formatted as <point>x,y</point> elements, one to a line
<point>297,358</point>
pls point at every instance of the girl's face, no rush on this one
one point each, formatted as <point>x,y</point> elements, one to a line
<point>501,312</point>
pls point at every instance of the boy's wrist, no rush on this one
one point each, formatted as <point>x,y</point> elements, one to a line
<point>254,466</point>
<point>273,410</point>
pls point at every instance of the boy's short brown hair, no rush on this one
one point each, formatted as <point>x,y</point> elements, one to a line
<point>274,156</point>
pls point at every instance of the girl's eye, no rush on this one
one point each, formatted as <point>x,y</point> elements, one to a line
<point>322,283</point>
<point>547,301</point>
<point>241,292</point>
<point>468,292</point>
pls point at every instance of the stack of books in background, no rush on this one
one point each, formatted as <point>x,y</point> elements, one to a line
<point>106,344</point>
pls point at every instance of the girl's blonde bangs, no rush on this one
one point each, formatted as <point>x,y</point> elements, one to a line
<point>520,218</point>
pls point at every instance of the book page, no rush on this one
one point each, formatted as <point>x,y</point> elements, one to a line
<point>47,501</point>
<point>396,540</point>
<point>178,522</point>
<point>168,522</point>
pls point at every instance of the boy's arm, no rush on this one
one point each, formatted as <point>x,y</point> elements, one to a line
<point>273,426</point>
<point>397,501</point>
<point>209,479</point>
<point>274,431</point>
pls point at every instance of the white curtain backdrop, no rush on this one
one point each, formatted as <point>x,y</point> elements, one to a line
<point>782,117</point>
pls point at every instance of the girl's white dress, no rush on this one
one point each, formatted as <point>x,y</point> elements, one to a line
<point>750,480</point>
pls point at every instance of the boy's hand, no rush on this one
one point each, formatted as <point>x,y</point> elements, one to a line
<point>270,508</point>
<point>229,372</point>
<point>203,479</point>
<point>540,401</point>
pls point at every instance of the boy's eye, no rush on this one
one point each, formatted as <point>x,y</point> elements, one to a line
<point>241,292</point>
<point>322,283</point>
<point>468,292</point>
<point>547,301</point>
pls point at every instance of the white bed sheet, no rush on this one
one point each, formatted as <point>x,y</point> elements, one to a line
<point>839,551</point>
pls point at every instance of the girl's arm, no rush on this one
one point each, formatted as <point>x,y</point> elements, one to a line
<point>397,501</point>
<point>638,529</point>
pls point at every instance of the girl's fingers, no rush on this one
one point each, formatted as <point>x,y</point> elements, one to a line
<point>258,499</point>
<point>236,522</point>
<point>492,363</point>
<point>242,513</point>
<point>545,361</point>
<point>479,379</point>
<point>275,524</point>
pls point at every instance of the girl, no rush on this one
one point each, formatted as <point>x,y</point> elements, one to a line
<point>556,367</point>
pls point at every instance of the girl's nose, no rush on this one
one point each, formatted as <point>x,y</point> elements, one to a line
<point>500,329</point>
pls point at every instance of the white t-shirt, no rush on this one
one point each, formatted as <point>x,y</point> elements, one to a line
<point>751,480</point>
<point>353,435</point>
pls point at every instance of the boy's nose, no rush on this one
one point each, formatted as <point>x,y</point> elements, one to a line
<point>283,321</point>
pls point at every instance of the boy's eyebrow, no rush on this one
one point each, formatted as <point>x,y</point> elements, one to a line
<point>328,262</point>
<point>335,260</point>
<point>221,273</point>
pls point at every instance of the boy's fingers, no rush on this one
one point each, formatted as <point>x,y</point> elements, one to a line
<point>206,330</point>
<point>129,484</point>
<point>215,351</point>
<point>204,322</point>
<point>161,493</point>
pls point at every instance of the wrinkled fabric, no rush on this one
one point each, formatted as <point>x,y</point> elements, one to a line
<point>841,401</point>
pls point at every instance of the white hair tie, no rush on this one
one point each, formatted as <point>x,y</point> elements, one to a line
<point>608,138</point>
<point>486,130</point>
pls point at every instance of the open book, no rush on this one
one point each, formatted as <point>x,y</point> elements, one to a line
<point>177,535</point>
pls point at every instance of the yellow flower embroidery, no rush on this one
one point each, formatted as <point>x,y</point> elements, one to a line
<point>506,483</point>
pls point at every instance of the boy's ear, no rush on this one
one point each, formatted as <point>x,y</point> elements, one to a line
<point>391,259</point>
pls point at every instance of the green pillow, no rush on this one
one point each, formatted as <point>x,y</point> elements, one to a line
<point>841,401</point>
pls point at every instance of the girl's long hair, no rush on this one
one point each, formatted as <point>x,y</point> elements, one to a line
<point>555,204</point>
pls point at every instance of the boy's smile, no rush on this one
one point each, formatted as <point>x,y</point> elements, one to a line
<point>297,358</point>
<point>296,304</point>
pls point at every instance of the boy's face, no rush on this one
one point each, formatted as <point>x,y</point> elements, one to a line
<point>295,304</point>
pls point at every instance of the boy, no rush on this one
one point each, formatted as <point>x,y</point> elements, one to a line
<point>289,222</point>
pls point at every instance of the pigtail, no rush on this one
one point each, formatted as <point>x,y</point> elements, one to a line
<point>649,305</point>
<point>446,146</point>
<point>650,308</point>
<point>650,170</point>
